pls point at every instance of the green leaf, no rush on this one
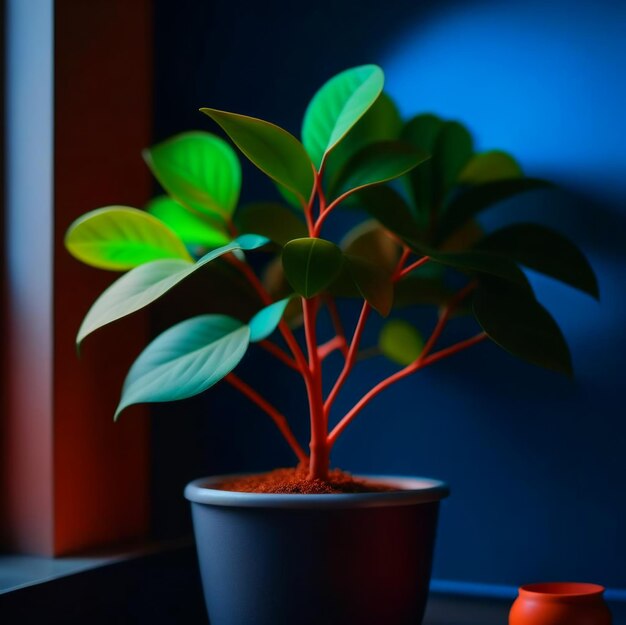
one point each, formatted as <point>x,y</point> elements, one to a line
<point>546,251</point>
<point>190,226</point>
<point>414,289</point>
<point>147,283</point>
<point>422,132</point>
<point>337,107</point>
<point>373,283</point>
<point>513,319</point>
<point>389,208</point>
<point>378,163</point>
<point>311,264</point>
<point>479,262</point>
<point>453,149</point>
<point>490,166</point>
<point>120,238</point>
<point>185,360</point>
<point>267,320</point>
<point>400,342</point>
<point>273,150</point>
<point>473,200</point>
<point>272,220</point>
<point>199,170</point>
<point>382,122</point>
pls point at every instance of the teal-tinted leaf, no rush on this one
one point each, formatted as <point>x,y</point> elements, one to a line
<point>546,251</point>
<point>473,200</point>
<point>267,320</point>
<point>120,238</point>
<point>274,221</point>
<point>273,150</point>
<point>147,283</point>
<point>382,122</point>
<point>490,166</point>
<point>422,132</point>
<point>513,319</point>
<point>371,242</point>
<point>185,360</point>
<point>453,149</point>
<point>378,163</point>
<point>311,264</point>
<point>337,107</point>
<point>199,170</point>
<point>373,283</point>
<point>400,342</point>
<point>192,227</point>
<point>389,208</point>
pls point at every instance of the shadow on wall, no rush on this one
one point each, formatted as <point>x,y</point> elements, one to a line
<point>536,462</point>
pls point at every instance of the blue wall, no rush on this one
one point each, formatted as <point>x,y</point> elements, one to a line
<point>536,462</point>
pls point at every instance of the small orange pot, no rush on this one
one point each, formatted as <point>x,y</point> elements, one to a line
<point>560,603</point>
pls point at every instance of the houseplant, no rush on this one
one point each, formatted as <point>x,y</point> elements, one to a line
<point>421,188</point>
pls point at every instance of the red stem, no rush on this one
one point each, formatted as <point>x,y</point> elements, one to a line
<point>350,358</point>
<point>337,325</point>
<point>399,375</point>
<point>278,419</point>
<point>325,349</point>
<point>320,451</point>
<point>418,263</point>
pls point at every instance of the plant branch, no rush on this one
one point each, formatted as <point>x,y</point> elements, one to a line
<point>279,420</point>
<point>399,375</point>
<point>409,268</point>
<point>337,325</point>
<point>350,358</point>
<point>329,209</point>
<point>419,363</point>
<point>325,349</point>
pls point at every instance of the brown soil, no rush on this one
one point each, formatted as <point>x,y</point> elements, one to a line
<point>296,482</point>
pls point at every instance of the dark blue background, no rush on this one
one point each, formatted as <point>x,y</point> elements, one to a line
<point>536,462</point>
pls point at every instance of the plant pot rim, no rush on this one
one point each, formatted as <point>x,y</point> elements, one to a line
<point>411,490</point>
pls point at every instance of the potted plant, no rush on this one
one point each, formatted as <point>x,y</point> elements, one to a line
<point>311,544</point>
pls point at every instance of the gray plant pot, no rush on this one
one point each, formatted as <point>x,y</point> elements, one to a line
<point>353,559</point>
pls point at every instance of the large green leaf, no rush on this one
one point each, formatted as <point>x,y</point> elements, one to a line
<point>490,166</point>
<point>373,283</point>
<point>120,238</point>
<point>272,220</point>
<point>378,163</point>
<point>199,170</point>
<point>473,200</point>
<point>422,132</point>
<point>273,150</point>
<point>337,107</point>
<point>147,283</point>
<point>190,226</point>
<point>546,251</point>
<point>481,263</point>
<point>267,320</point>
<point>513,319</point>
<point>452,151</point>
<point>389,208</point>
<point>423,290</point>
<point>311,264</point>
<point>382,122</point>
<point>400,342</point>
<point>185,360</point>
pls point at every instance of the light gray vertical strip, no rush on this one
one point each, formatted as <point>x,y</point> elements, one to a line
<point>29,271</point>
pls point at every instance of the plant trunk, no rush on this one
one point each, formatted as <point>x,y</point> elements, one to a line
<point>319,463</point>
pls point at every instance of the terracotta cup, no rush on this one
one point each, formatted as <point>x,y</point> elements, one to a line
<point>560,603</point>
